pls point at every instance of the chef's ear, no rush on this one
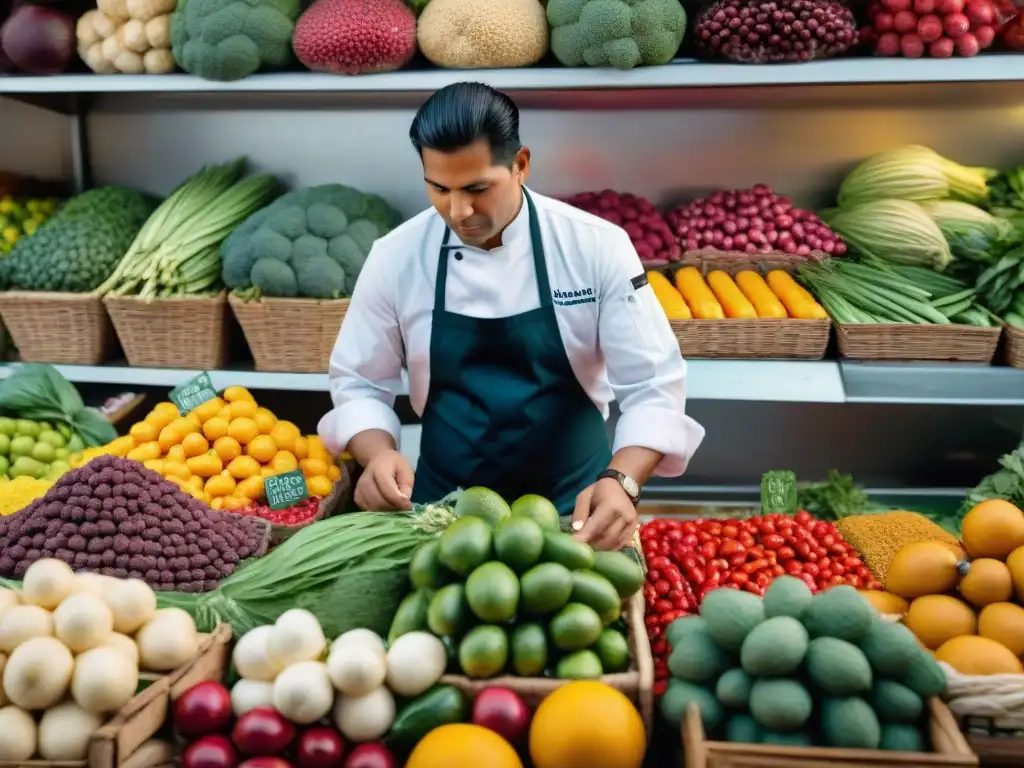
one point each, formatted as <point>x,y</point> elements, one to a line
<point>521,165</point>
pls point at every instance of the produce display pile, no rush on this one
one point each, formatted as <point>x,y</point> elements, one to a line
<point>223,450</point>
<point>20,217</point>
<point>71,649</point>
<point>720,295</point>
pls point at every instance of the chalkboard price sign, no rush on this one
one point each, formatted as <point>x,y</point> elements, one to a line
<point>193,393</point>
<point>285,490</point>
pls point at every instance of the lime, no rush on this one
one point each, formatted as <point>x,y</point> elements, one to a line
<point>50,437</point>
<point>492,591</point>
<point>464,545</point>
<point>5,445</point>
<point>483,503</point>
<point>542,511</point>
<point>483,652</point>
<point>27,427</point>
<point>613,651</point>
<point>6,426</point>
<point>43,452</point>
<point>518,543</point>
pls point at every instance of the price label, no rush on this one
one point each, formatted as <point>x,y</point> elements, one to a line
<point>193,393</point>
<point>285,490</point>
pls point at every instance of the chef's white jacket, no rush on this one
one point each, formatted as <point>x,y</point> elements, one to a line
<point>617,339</point>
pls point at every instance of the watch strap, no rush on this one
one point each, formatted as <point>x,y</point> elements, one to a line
<point>625,481</point>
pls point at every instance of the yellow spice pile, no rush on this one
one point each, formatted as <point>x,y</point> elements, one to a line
<point>18,493</point>
<point>879,537</point>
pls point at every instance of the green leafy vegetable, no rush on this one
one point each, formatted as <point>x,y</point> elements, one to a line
<point>838,497</point>
<point>37,391</point>
<point>1007,483</point>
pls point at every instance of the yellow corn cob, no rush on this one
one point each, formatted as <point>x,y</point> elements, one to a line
<point>733,302</point>
<point>766,303</point>
<point>669,298</point>
<point>698,295</point>
<point>798,301</point>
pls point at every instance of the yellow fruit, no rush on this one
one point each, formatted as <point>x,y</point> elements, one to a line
<point>209,409</point>
<point>283,461</point>
<point>216,502</point>
<point>243,467</point>
<point>319,485</point>
<point>285,434</point>
<point>242,409</point>
<point>243,429</point>
<point>465,746</point>
<point>196,483</point>
<point>265,420</point>
<point>987,581</point>
<point>121,445</point>
<point>216,427</point>
<point>1015,562</point>
<point>316,448</point>
<point>251,488</point>
<point>145,452</point>
<point>262,448</point>
<point>1004,623</point>
<point>176,469</point>
<point>144,432</point>
<point>611,735</point>
<point>267,471</point>
<point>162,414</point>
<point>972,655</point>
<point>885,602</point>
<point>993,528</point>
<point>227,448</point>
<point>194,444</point>
<point>301,448</point>
<point>225,413</point>
<point>157,465</point>
<point>220,485</point>
<point>206,465</point>
<point>938,618</point>
<point>175,432</point>
<point>176,453</point>
<point>235,503</point>
<point>311,467</point>
<point>922,568</point>
<point>234,394</point>
<point>334,473</point>
<point>194,422</point>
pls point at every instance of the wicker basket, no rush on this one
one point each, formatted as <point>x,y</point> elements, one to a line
<point>316,321</point>
<point>69,328</point>
<point>637,683</point>
<point>1014,341</point>
<point>181,332</point>
<point>755,337</point>
<point>913,342</point>
<point>951,749</point>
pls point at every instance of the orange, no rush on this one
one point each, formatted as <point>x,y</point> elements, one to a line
<point>467,746</point>
<point>265,420</point>
<point>243,467</point>
<point>611,734</point>
<point>176,453</point>
<point>209,409</point>
<point>227,448</point>
<point>194,444</point>
<point>176,469</point>
<point>206,465</point>
<point>243,429</point>
<point>234,394</point>
<point>220,485</point>
<point>242,408</point>
<point>145,452</point>
<point>334,473</point>
<point>121,445</point>
<point>316,448</point>
<point>311,467</point>
<point>144,432</point>
<point>262,448</point>
<point>285,434</point>
<point>235,503</point>
<point>301,448</point>
<point>993,528</point>
<point>217,502</point>
<point>319,485</point>
<point>251,488</point>
<point>215,427</point>
<point>283,461</point>
<point>157,465</point>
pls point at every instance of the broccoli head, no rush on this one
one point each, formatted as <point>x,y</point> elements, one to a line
<point>230,39</point>
<point>311,242</point>
<point>78,248</point>
<point>616,33</point>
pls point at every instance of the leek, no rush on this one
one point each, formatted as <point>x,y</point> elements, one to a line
<point>893,231</point>
<point>972,233</point>
<point>916,173</point>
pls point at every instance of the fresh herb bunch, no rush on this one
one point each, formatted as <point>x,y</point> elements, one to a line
<point>1007,483</point>
<point>838,497</point>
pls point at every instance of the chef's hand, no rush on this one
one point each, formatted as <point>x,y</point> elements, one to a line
<point>604,516</point>
<point>386,483</point>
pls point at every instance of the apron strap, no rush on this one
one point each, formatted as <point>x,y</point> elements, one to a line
<point>442,271</point>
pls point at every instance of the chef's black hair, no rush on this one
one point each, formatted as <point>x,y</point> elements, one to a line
<point>463,113</point>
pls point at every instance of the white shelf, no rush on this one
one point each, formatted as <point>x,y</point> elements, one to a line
<point>683,73</point>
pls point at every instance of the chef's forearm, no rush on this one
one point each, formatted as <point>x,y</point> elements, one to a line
<point>369,443</point>
<point>639,463</point>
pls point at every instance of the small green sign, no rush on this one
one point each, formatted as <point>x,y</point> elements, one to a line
<point>193,393</point>
<point>286,489</point>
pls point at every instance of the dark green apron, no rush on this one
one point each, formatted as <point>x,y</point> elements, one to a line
<point>504,409</point>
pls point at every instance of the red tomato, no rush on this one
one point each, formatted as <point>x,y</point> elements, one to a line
<point>739,577</point>
<point>773,541</point>
<point>811,568</point>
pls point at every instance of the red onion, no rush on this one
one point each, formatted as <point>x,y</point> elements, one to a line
<point>752,220</point>
<point>646,227</point>
<point>934,28</point>
<point>772,31</point>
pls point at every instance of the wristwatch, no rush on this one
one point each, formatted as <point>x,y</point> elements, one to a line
<point>629,485</point>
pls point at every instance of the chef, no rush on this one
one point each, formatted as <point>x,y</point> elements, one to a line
<point>519,319</point>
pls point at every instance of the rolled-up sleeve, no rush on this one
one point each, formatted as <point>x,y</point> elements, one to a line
<point>646,371</point>
<point>366,363</point>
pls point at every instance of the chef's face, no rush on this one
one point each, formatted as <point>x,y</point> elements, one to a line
<point>475,197</point>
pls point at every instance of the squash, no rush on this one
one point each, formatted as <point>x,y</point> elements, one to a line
<point>936,619</point>
<point>733,302</point>
<point>1004,623</point>
<point>670,299</point>
<point>1015,562</point>
<point>799,302</point>
<point>698,295</point>
<point>886,603</point>
<point>766,303</point>
<point>987,581</point>
<point>993,528</point>
<point>922,568</point>
<point>972,655</point>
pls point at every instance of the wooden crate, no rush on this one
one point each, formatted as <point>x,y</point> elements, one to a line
<point>637,683</point>
<point>126,740</point>
<point>950,749</point>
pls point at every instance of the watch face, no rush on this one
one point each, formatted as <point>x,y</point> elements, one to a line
<point>630,486</point>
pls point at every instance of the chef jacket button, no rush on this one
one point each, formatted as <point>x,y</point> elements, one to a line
<point>458,255</point>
